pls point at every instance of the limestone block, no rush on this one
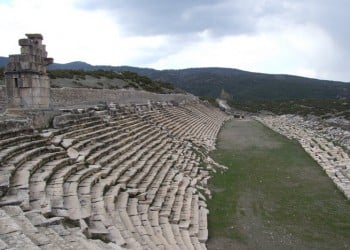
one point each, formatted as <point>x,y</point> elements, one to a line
<point>25,65</point>
<point>72,153</point>
<point>56,140</point>
<point>26,50</point>
<point>38,67</point>
<point>26,57</point>
<point>11,66</point>
<point>25,42</point>
<point>44,82</point>
<point>35,58</point>
<point>6,224</point>
<point>36,81</point>
<point>66,143</point>
<point>40,92</point>
<point>26,101</point>
<point>34,67</point>
<point>40,102</point>
<point>81,158</point>
<point>25,92</point>
<point>47,134</point>
<point>24,82</point>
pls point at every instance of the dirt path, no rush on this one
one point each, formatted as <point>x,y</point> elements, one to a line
<point>274,196</point>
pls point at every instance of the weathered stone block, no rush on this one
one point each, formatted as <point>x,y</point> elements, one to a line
<point>24,82</point>
<point>25,92</point>
<point>27,50</point>
<point>40,102</point>
<point>25,65</point>
<point>25,42</point>
<point>41,92</point>
<point>26,101</point>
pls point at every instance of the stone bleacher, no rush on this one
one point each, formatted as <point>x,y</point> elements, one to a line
<point>112,178</point>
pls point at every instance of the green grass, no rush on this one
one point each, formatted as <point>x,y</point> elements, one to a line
<point>274,197</point>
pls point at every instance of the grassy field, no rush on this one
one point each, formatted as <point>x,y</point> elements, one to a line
<point>273,196</point>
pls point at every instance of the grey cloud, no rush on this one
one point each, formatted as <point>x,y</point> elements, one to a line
<point>153,17</point>
<point>222,17</point>
<point>183,19</point>
<point>333,18</point>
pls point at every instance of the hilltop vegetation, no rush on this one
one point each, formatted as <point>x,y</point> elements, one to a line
<point>324,108</point>
<point>243,85</point>
<point>126,79</point>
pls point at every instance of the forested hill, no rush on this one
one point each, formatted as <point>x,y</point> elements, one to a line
<point>245,85</point>
<point>238,84</point>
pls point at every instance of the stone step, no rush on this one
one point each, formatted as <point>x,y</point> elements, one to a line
<point>12,234</point>
<point>38,182</point>
<point>28,228</point>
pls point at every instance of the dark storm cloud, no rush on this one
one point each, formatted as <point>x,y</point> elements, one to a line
<point>152,17</point>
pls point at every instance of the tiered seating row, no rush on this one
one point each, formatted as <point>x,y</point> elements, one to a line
<point>128,178</point>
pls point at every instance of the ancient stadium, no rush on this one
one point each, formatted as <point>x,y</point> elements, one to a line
<point>128,168</point>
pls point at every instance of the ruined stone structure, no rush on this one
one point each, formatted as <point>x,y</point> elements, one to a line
<point>114,177</point>
<point>26,80</point>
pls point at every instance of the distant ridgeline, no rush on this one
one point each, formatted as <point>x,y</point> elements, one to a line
<point>241,85</point>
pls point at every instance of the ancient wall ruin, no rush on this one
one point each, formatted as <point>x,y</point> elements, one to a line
<point>63,97</point>
<point>26,80</point>
<point>3,99</point>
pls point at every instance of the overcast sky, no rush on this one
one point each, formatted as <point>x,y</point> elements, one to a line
<point>301,37</point>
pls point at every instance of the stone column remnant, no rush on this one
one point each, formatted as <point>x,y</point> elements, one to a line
<point>26,79</point>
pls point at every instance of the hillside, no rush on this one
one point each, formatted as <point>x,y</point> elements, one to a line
<point>105,79</point>
<point>234,83</point>
<point>240,84</point>
<point>252,86</point>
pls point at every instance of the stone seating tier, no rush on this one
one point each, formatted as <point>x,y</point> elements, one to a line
<point>118,178</point>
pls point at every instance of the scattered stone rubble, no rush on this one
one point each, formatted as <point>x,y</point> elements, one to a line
<point>329,146</point>
<point>110,178</point>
